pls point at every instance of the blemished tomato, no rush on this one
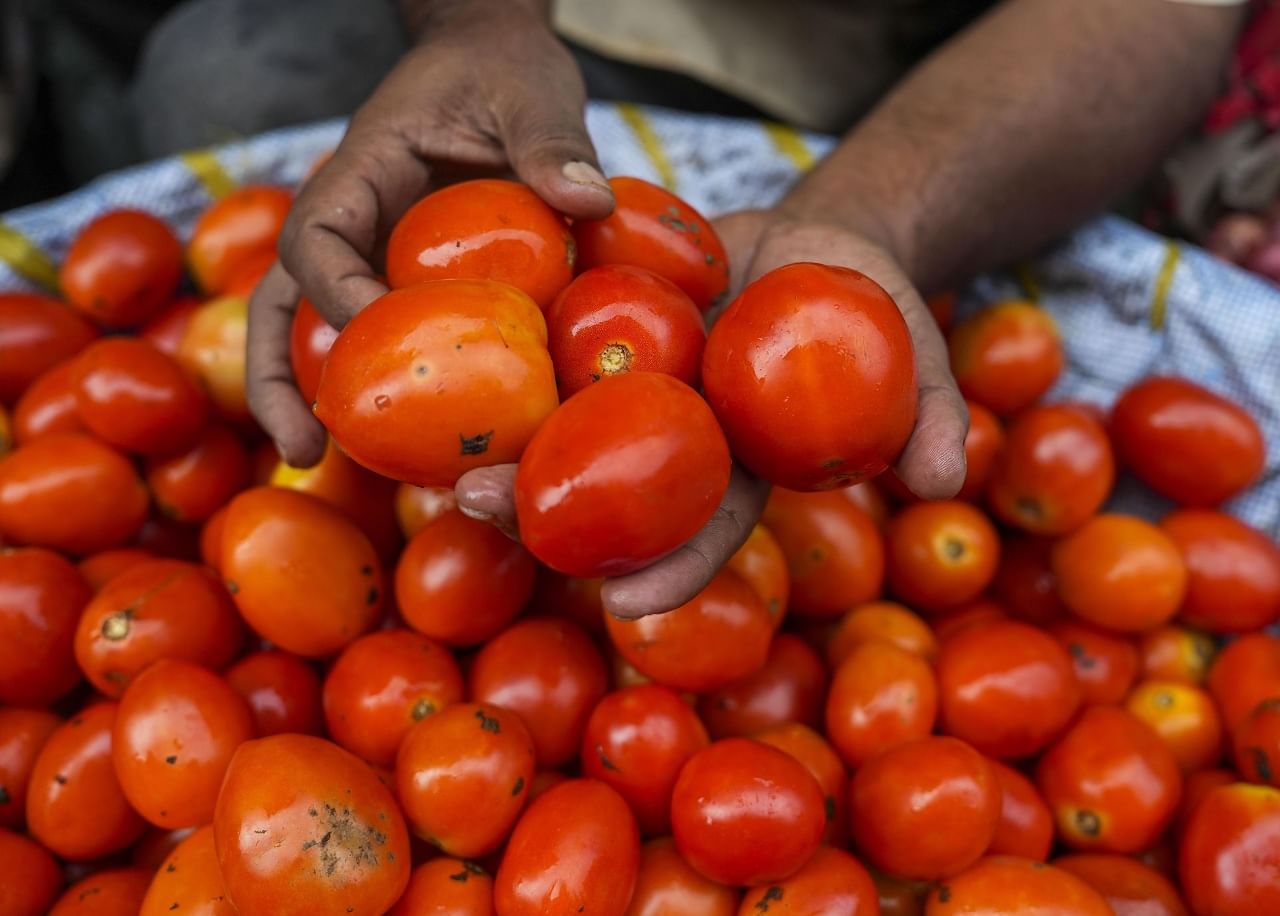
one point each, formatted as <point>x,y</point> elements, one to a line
<point>23,733</point>
<point>282,797</point>
<point>842,332</point>
<point>1256,744</point>
<point>824,764</point>
<point>470,354</point>
<point>926,809</point>
<point>1009,884</point>
<point>548,870</point>
<point>722,635</point>
<point>461,777</point>
<point>41,597</point>
<point>622,474</point>
<point>1195,789</point>
<point>449,886</point>
<point>762,565</point>
<point>1024,581</point>
<point>234,228</point>
<point>310,339</point>
<point>461,581</point>
<point>615,319</point>
<point>1120,572</point>
<point>1005,357</point>
<point>301,573</point>
<point>835,554</point>
<point>164,332</point>
<point>940,554</point>
<point>121,268</point>
<point>29,876</point>
<point>1111,782</point>
<point>1246,672</point>
<point>1233,571</point>
<point>36,334</point>
<point>100,568</point>
<point>653,229</point>
<point>1186,442</point>
<point>1006,687</point>
<point>488,229</point>
<point>831,882</point>
<point>157,609</point>
<point>881,696</point>
<point>1054,472</point>
<point>789,687</point>
<point>48,406</point>
<point>189,881</point>
<point>110,892</point>
<point>881,621</point>
<point>667,884</point>
<point>417,507</point>
<point>1106,664</point>
<point>636,741</point>
<point>1026,826</point>
<point>75,805</point>
<point>1229,861</point>
<point>1131,888</point>
<point>282,690</point>
<point>746,813</point>
<point>1176,653</point>
<point>1184,717</point>
<point>381,685</point>
<point>70,493</point>
<point>192,485</point>
<point>212,350</point>
<point>548,672</point>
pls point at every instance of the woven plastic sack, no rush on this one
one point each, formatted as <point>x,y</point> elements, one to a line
<point>1129,303</point>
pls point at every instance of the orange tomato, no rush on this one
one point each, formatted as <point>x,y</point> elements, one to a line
<point>824,765</point>
<point>1024,581</point>
<point>417,507</point>
<point>1246,672</point>
<point>1184,717</point>
<point>29,877</point>
<point>881,621</point>
<point>110,892</point>
<point>831,882</point>
<point>121,268</point>
<point>1233,572</point>
<point>762,565</point>
<point>212,350</point>
<point>100,568</point>
<point>1106,664</point>
<point>447,885</point>
<point>23,732</point>
<point>233,229</point>
<point>211,539</point>
<point>41,597</point>
<point>36,334</point>
<point>982,443</point>
<point>667,884</point>
<point>1256,744</point>
<point>1176,653</point>
<point>1006,356</point>
<point>192,485</point>
<point>1128,885</point>
<point>282,690</point>
<point>789,687</point>
<point>1229,862</point>
<point>310,339</point>
<point>940,554</point>
<point>189,881</point>
<point>48,405</point>
<point>1009,884</point>
<point>1026,826</point>
<point>881,697</point>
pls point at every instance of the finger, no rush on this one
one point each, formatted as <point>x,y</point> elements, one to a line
<point>677,578</point>
<point>270,388</point>
<point>488,495</point>
<point>740,234</point>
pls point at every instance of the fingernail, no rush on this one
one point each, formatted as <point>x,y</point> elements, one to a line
<point>585,173</point>
<point>476,514</point>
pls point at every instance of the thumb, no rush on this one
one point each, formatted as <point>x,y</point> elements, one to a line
<point>548,147</point>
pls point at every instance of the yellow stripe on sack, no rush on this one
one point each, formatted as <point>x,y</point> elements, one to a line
<point>649,142</point>
<point>205,166</point>
<point>26,259</point>
<point>1030,285</point>
<point>1164,282</point>
<point>790,143</point>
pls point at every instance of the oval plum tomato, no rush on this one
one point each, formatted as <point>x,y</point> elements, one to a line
<point>1006,356</point>
<point>1177,653</point>
<point>48,405</point>
<point>462,581</point>
<point>940,554</point>
<point>446,885</point>
<point>831,882</point>
<point>29,876</point>
<point>1111,782</point>
<point>75,805</point>
<point>1131,888</point>
<point>824,765</point>
<point>487,229</point>
<point>23,733</point>
<point>1229,861</point>
<point>164,332</point>
<point>745,813</point>
<point>667,884</point>
<point>622,474</point>
<point>1025,583</point>
<point>1246,672</point>
<point>1054,472</point>
<point>762,565</point>
<point>926,809</point>
<point>212,350</point>
<point>41,597</point>
<point>381,685</point>
<point>722,635</point>
<point>881,697</point>
<point>957,620</point>
<point>834,552</point>
<point>100,568</point>
<point>1256,744</point>
<point>653,229</point>
<point>615,319</point>
<point>310,339</point>
<point>110,892</point>
<point>470,354</point>
<point>192,485</point>
<point>636,741</point>
<point>302,574</point>
<point>881,621</point>
<point>1106,664</point>
<point>1026,826</point>
<point>1120,572</point>
<point>1186,442</point>
<point>417,507</point>
<point>1184,717</point>
<point>36,334</point>
<point>282,690</point>
<point>248,273</point>
<point>122,268</point>
<point>189,881</point>
<point>158,609</point>
<point>842,332</point>
<point>549,673</point>
<point>235,227</point>
<point>282,797</point>
<point>1006,687</point>
<point>70,493</point>
<point>789,687</point>
<point>1009,884</point>
<point>1233,571</point>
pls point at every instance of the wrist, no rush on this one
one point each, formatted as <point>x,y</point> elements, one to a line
<point>855,211</point>
<point>422,17</point>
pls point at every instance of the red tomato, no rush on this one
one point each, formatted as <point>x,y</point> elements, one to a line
<point>164,332</point>
<point>1244,674</point>
<point>212,350</point>
<point>29,877</point>
<point>762,565</point>
<point>1006,356</point>
<point>1230,856</point>
<point>1131,888</point>
<point>824,765</point>
<point>122,268</point>
<point>110,892</point>
<point>667,884</point>
<point>940,554</point>
<point>1177,653</point>
<point>192,485</point>
<point>788,688</point>
<point>417,507</point>
<point>48,405</point>
<point>1026,826</point>
<point>36,333</point>
<point>653,229</point>
<point>953,622</point>
<point>842,333</point>
<point>234,228</point>
<point>282,690</point>
<point>189,881</point>
<point>248,273</point>
<point>576,846</point>
<point>1186,442</point>
<point>41,597</point>
<point>881,621</point>
<point>982,443</point>
<point>1233,571</point>
<point>449,886</point>
<point>23,732</point>
<point>1025,583</point>
<point>881,696</point>
<point>1008,884</point>
<point>310,339</point>
<point>100,568</point>
<point>831,882</point>
<point>1184,717</point>
<point>1256,744</point>
<point>1106,664</point>
<point>1194,790</point>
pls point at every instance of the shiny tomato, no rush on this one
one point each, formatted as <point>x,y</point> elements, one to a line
<point>722,635</point>
<point>881,621</point>
<point>957,620</point>
<point>1246,672</point>
<point>29,876</point>
<point>1256,744</point>
<point>1184,717</point>
<point>48,405</point>
<point>192,485</point>
<point>23,732</point>
<point>282,690</point>
<point>1026,826</point>
<point>869,498</point>
<point>1005,357</point>
<point>1106,664</point>
<point>1186,442</point>
<point>417,507</point>
<point>1177,653</point>
<point>1024,581</point>
<point>881,696</point>
<point>212,350</point>
<point>667,884</point>
<point>488,229</point>
<point>164,332</point>
<point>310,339</point>
<point>788,688</point>
<point>1054,472</point>
<point>548,672</point>
<point>211,539</point>
<point>982,443</point>
<point>36,334</point>
<point>1233,571</point>
<point>299,820</point>
<point>302,574</point>
<point>110,892</point>
<point>843,333</point>
<point>189,880</point>
<point>940,554</point>
<point>1131,888</point>
<point>824,764</point>
<point>831,882</point>
<point>1111,782</point>
<point>100,568</point>
<point>653,229</point>
<point>70,493</point>
<point>41,597</point>
<point>448,886</point>
<point>121,268</point>
<point>234,228</point>
<point>926,809</point>
<point>1229,861</point>
<point>248,273</point>
<point>763,566</point>
<point>1009,884</point>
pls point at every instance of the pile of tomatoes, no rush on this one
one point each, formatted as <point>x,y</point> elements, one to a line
<point>234,686</point>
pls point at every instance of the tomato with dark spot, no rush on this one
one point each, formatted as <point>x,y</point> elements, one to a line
<point>1105,663</point>
<point>881,696</point>
<point>41,597</point>
<point>940,554</point>
<point>282,690</point>
<point>121,268</point>
<point>310,339</point>
<point>233,229</point>
<point>1131,888</point>
<point>789,687</point>
<point>1026,826</point>
<point>1233,571</point>
<point>762,565</point>
<point>110,892</point>
<point>1006,356</point>
<point>189,881</point>
<point>164,332</point>
<point>1010,884</point>
<point>212,350</point>
<point>48,405</point>
<point>881,621</point>
<point>824,764</point>
<point>668,884</point>
<point>29,876</point>
<point>1176,653</point>
<point>447,885</point>
<point>100,568</point>
<point>1229,861</point>
<point>1246,672</point>
<point>192,485</point>
<point>23,732</point>
<point>1256,744</point>
<point>36,333</point>
<point>831,882</point>
<point>1185,718</point>
<point>1024,581</point>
